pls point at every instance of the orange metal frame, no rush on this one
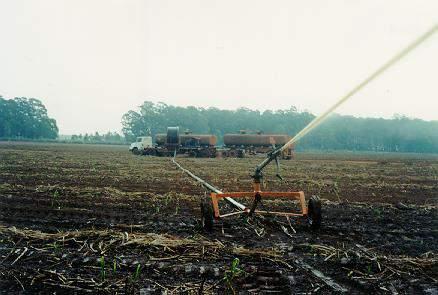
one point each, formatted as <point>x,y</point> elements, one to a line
<point>216,197</point>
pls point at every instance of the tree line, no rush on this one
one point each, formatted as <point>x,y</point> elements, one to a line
<point>25,118</point>
<point>96,138</point>
<point>399,134</point>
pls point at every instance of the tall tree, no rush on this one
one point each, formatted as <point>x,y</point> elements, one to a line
<point>25,118</point>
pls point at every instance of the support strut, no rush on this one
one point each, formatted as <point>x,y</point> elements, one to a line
<point>210,187</point>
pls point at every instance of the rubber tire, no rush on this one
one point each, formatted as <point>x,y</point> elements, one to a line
<point>135,151</point>
<point>207,216</point>
<point>314,216</point>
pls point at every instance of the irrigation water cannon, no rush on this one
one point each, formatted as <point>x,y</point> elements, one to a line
<point>311,211</point>
<point>210,210</point>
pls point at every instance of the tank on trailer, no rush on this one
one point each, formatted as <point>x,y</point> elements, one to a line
<point>160,138</point>
<point>255,139</point>
<point>202,139</point>
<point>193,145</point>
<point>172,138</point>
<point>237,145</point>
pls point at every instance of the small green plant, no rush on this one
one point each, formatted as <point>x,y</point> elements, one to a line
<point>167,199</point>
<point>177,207</point>
<point>232,274</point>
<point>369,269</point>
<point>102,268</point>
<point>378,212</point>
<point>114,266</point>
<point>336,190</point>
<point>137,273</point>
<point>55,199</point>
<point>55,246</point>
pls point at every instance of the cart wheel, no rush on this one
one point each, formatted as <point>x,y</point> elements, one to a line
<point>314,212</point>
<point>207,217</point>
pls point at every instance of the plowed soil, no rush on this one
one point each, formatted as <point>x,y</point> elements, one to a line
<point>91,218</point>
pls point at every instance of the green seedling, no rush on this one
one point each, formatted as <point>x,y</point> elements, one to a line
<point>114,266</point>
<point>137,273</point>
<point>55,198</point>
<point>177,208</point>
<point>55,246</point>
<point>378,212</point>
<point>369,269</point>
<point>336,190</point>
<point>157,209</point>
<point>232,274</point>
<point>102,269</point>
<point>167,199</point>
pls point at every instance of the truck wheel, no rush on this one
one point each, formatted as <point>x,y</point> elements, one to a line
<point>205,153</point>
<point>314,216</point>
<point>207,215</point>
<point>135,151</point>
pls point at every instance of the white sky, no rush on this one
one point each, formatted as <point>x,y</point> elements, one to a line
<point>90,61</point>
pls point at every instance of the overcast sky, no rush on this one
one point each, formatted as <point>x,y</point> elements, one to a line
<point>92,61</point>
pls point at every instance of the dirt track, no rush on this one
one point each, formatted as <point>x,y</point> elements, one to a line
<point>64,207</point>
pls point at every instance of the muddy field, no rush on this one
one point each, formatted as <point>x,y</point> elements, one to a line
<point>84,218</point>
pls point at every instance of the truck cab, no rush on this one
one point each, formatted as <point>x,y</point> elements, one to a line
<point>141,144</point>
